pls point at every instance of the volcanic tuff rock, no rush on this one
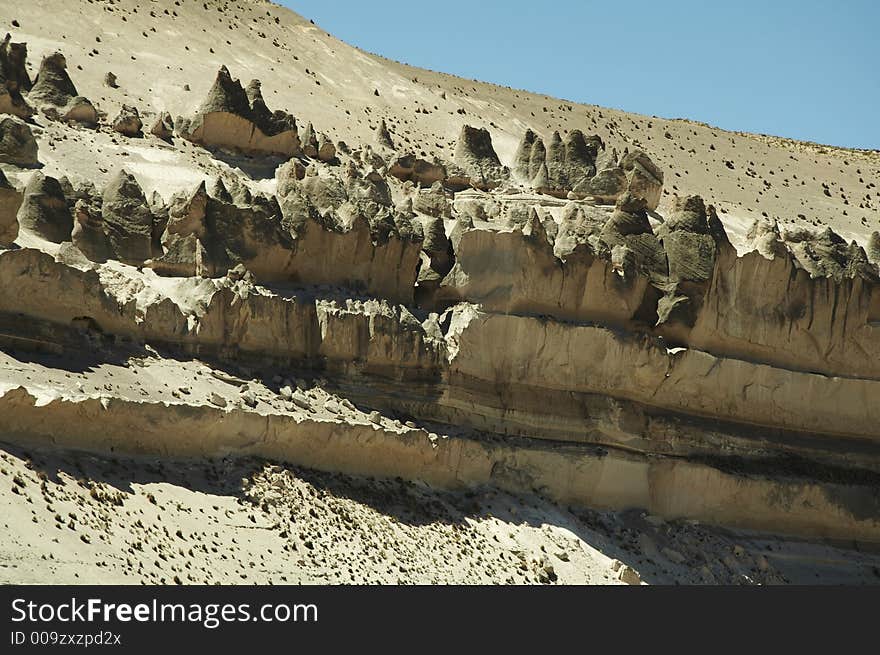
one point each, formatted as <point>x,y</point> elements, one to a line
<point>53,90</point>
<point>163,126</point>
<point>14,79</point>
<point>477,159</point>
<point>128,221</point>
<point>644,179</point>
<point>233,118</point>
<point>44,209</point>
<point>17,143</point>
<point>89,235</point>
<point>409,168</point>
<point>559,167</point>
<point>580,166</point>
<point>874,248</point>
<point>383,136</point>
<point>128,122</point>
<point>10,201</point>
<point>605,340</point>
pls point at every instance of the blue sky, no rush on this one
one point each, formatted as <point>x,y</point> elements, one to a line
<point>807,70</point>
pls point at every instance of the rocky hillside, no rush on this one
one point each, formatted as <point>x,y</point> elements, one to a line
<point>225,233</point>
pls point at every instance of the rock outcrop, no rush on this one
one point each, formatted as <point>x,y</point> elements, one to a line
<point>476,158</point>
<point>644,178</point>
<point>128,221</point>
<point>14,79</point>
<point>239,120</point>
<point>317,232</point>
<point>17,143</point>
<point>128,122</point>
<point>560,167</point>
<point>873,250</point>
<point>54,92</point>
<point>44,210</point>
<point>89,235</point>
<point>580,167</point>
<point>383,136</point>
<point>579,339</point>
<point>163,126</point>
<point>10,201</point>
<point>409,168</point>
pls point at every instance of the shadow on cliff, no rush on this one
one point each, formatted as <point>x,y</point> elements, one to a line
<point>256,168</point>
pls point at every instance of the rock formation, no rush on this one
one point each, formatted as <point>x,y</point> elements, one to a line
<point>410,168</point>
<point>561,330</point>
<point>14,79</point>
<point>44,209</point>
<point>233,118</point>
<point>54,91</point>
<point>644,179</point>
<point>88,234</point>
<point>581,167</point>
<point>17,144</point>
<point>475,156</point>
<point>383,136</point>
<point>163,126</point>
<point>10,201</point>
<point>128,221</point>
<point>874,247</point>
<point>558,168</point>
<point>128,122</point>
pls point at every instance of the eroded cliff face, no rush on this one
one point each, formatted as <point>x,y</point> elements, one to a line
<point>572,334</point>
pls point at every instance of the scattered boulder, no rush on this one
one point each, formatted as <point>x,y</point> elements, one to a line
<point>128,122</point>
<point>17,143</point>
<point>233,118</point>
<point>163,127</point>
<point>110,80</point>
<point>629,575</point>
<point>44,209</point>
<point>54,91</point>
<point>10,201</point>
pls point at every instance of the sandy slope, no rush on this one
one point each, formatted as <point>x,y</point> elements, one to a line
<point>76,517</point>
<point>71,517</point>
<point>158,47</point>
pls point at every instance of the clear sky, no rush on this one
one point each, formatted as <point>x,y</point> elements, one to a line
<point>807,70</point>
